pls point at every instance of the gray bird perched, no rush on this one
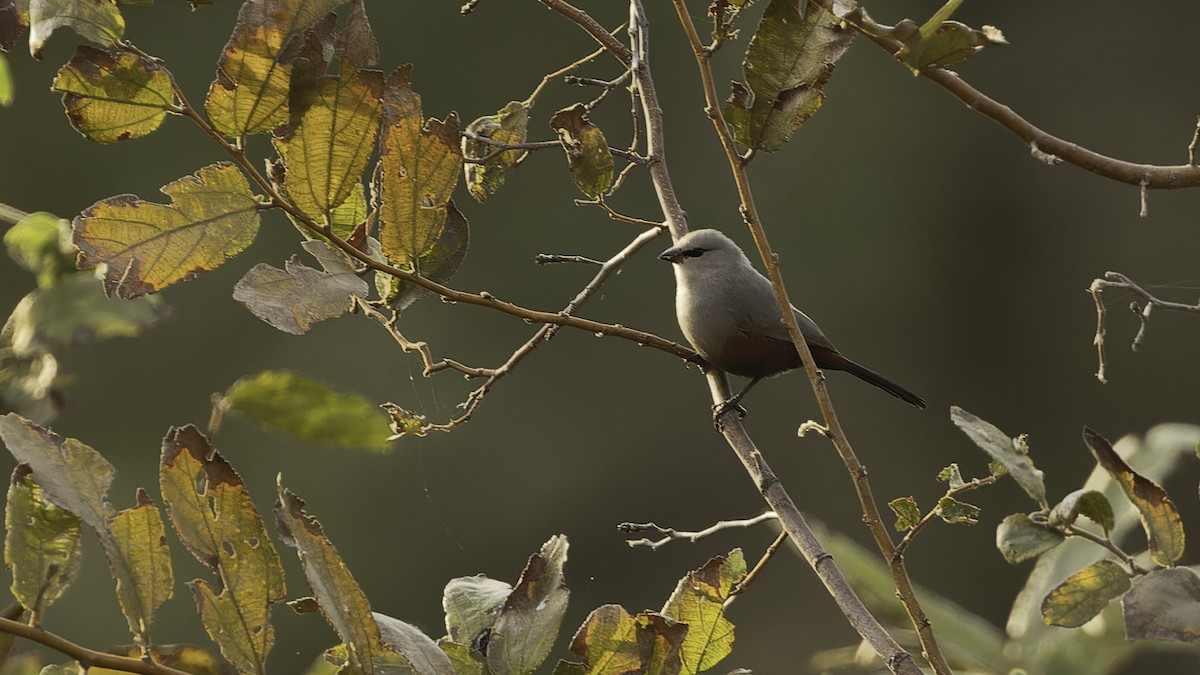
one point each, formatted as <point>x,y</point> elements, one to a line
<point>728,312</point>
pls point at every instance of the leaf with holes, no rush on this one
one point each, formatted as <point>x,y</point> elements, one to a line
<point>42,547</point>
<point>215,518</point>
<point>509,126</point>
<point>588,156</point>
<point>147,247</point>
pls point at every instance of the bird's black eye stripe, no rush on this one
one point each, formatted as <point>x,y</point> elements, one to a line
<point>694,252</point>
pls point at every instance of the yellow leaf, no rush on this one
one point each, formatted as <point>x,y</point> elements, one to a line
<point>41,543</point>
<point>111,99</point>
<point>698,601</point>
<point>587,151</point>
<point>141,564</point>
<point>148,246</point>
<point>1084,594</point>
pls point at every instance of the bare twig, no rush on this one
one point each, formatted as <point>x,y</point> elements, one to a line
<point>858,473</point>
<point>1118,280</point>
<point>422,348</point>
<point>569,68</point>
<point>553,258</point>
<point>752,575</point>
<point>670,534</point>
<point>1152,177</point>
<point>1192,145</point>
<point>616,215</point>
<point>1107,543</point>
<point>88,658</point>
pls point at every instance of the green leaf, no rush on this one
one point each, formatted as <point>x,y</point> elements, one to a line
<point>250,93</point>
<point>955,512</point>
<point>295,298</point>
<point>308,410</point>
<point>418,168</point>
<point>465,660</point>
<point>342,601</point>
<point>509,126</point>
<point>1084,594</point>
<point>96,20</point>
<point>472,605</point>
<point>946,44</point>
<point>1090,503</point>
<point>528,623</point>
<point>608,642</point>
<point>75,311</point>
<point>38,244</point>
<point>908,514</point>
<point>215,518</point>
<point>42,547</point>
<point>148,246</point>
<point>114,98</point>
<point>588,156</point>
<point>698,601</point>
<point>1164,605</point>
<point>1160,518</point>
<point>146,580</point>
<point>951,476</point>
<point>1020,539</point>
<point>787,64</point>
<point>1012,453</point>
<point>6,83</point>
<point>327,147</point>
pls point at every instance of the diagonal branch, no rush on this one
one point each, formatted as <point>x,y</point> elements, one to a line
<point>88,658</point>
<point>832,428</point>
<point>1042,145</point>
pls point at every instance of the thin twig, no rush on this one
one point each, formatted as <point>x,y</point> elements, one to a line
<point>858,473</point>
<point>670,534</point>
<point>1107,543</point>
<point>570,68</point>
<point>753,574</point>
<point>1154,177</point>
<point>936,510</point>
<point>422,348</point>
<point>1118,280</point>
<point>1192,145</point>
<point>88,658</point>
<point>553,258</point>
<point>618,216</point>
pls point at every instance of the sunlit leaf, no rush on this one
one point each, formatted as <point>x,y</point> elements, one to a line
<point>308,410</point>
<point>955,512</point>
<point>529,621</point>
<point>666,638</point>
<point>42,547</point>
<point>465,660</point>
<point>471,605</point>
<point>785,69</point>
<point>326,149</point>
<point>297,297</point>
<point>215,518</point>
<point>1020,539</point>
<point>37,244</point>
<point>418,169</point>
<point>698,601</point>
<point>908,514</point>
<point>250,93</point>
<point>1084,594</point>
<point>342,601</point>
<point>148,246</point>
<point>146,580</point>
<point>1164,605</point>
<point>608,642</point>
<point>6,83</point>
<point>1012,453</point>
<point>114,98</point>
<point>419,651</point>
<point>96,20</point>
<point>588,156</point>
<point>1090,503</point>
<point>438,263</point>
<point>509,126</point>
<point>1160,518</point>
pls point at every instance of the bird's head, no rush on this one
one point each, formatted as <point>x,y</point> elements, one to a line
<point>704,249</point>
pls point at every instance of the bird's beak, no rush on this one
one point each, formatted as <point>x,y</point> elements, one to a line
<point>671,255</point>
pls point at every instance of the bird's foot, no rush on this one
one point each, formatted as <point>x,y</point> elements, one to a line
<point>725,406</point>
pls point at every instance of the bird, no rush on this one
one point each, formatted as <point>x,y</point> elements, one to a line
<point>728,312</point>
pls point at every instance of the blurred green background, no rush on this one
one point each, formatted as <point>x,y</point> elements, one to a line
<point>920,235</point>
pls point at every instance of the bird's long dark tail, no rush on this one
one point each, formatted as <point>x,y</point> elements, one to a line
<point>827,358</point>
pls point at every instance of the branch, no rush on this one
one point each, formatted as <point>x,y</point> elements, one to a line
<point>1118,280</point>
<point>833,428</point>
<point>88,658</point>
<point>936,510</point>
<point>769,486</point>
<point>1043,145</point>
<point>671,534</point>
